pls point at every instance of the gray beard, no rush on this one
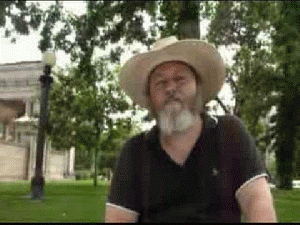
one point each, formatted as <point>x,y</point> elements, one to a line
<point>172,119</point>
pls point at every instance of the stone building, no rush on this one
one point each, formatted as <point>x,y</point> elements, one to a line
<point>19,113</point>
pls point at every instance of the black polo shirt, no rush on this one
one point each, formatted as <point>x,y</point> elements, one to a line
<point>201,190</point>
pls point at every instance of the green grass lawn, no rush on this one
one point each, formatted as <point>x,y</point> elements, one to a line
<point>79,201</point>
<point>287,205</point>
<point>75,201</point>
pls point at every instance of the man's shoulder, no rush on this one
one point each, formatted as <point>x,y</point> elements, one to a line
<point>132,147</point>
<point>136,139</point>
<point>228,117</point>
<point>221,120</point>
<point>230,122</point>
<point>142,136</point>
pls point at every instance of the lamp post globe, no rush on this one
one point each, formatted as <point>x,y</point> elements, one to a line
<point>49,58</point>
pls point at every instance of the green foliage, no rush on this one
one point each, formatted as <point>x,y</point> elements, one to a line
<point>23,16</point>
<point>286,43</point>
<point>50,17</point>
<point>170,13</point>
<point>93,92</point>
<point>83,175</point>
<point>82,158</point>
<point>240,22</point>
<point>257,91</point>
<point>80,113</point>
<point>296,174</point>
<point>110,161</point>
<point>60,119</point>
<point>267,73</point>
<point>272,169</point>
<point>105,22</point>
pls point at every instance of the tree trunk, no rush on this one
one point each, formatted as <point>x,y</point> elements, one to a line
<point>287,132</point>
<point>189,24</point>
<point>95,165</point>
<point>286,140</point>
<point>96,173</point>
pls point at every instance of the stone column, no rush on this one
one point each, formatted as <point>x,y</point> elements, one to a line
<point>7,133</point>
<point>17,133</point>
<point>27,107</point>
<point>72,160</point>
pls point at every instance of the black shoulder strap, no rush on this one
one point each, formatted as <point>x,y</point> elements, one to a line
<point>145,177</point>
<point>208,172</point>
<point>215,138</point>
<point>220,137</point>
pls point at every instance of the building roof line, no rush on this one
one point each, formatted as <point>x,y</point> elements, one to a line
<point>21,62</point>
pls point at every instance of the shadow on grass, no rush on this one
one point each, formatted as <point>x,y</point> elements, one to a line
<point>73,201</point>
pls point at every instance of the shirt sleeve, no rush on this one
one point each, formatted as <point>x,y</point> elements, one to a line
<point>247,161</point>
<point>125,189</point>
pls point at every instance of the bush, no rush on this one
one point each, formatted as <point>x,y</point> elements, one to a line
<point>100,173</point>
<point>109,161</point>
<point>272,169</point>
<point>92,175</point>
<point>83,175</point>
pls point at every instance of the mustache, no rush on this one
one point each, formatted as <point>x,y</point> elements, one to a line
<point>173,98</point>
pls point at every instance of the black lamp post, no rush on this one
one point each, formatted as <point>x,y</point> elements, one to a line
<point>38,181</point>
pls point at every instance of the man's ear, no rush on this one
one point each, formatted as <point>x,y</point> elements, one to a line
<point>199,103</point>
<point>152,114</point>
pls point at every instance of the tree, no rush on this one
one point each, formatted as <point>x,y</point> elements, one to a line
<point>262,71</point>
<point>80,110</point>
<point>286,43</point>
<point>189,26</point>
<point>238,24</point>
<point>22,15</point>
<point>297,159</point>
<point>88,109</point>
<point>114,139</point>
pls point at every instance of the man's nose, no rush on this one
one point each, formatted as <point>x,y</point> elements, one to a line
<point>171,87</point>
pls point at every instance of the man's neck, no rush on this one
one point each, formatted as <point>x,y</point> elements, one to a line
<point>182,140</point>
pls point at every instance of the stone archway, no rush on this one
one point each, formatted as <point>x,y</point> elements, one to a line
<point>9,111</point>
<point>19,83</point>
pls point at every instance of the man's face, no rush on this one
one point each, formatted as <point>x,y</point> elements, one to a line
<point>172,89</point>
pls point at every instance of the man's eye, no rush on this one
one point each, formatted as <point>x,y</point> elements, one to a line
<point>160,83</point>
<point>180,78</point>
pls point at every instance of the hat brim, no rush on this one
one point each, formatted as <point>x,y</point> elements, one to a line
<point>203,57</point>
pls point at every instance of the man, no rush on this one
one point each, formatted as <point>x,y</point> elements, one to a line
<point>190,167</point>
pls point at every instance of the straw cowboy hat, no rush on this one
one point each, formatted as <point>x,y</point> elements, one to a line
<point>201,56</point>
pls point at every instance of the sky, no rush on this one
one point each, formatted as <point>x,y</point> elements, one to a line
<point>26,48</point>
